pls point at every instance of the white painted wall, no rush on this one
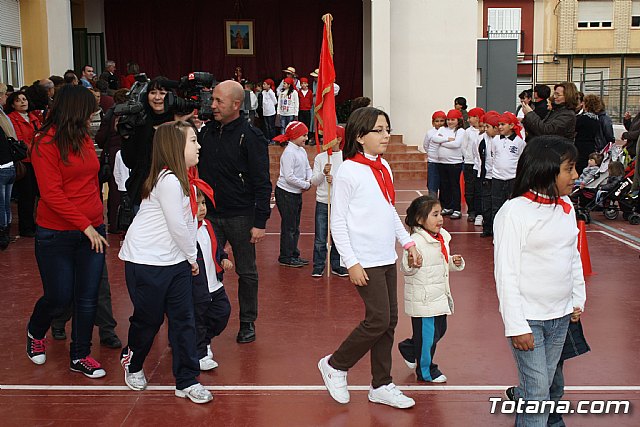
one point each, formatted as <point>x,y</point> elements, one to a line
<point>377,52</point>
<point>60,36</point>
<point>432,60</point>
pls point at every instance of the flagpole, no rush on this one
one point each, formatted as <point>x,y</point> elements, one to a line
<point>328,263</point>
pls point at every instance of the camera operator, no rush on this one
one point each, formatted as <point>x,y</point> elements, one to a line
<point>234,160</point>
<point>136,149</point>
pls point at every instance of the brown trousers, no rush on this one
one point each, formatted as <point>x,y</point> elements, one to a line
<point>375,332</point>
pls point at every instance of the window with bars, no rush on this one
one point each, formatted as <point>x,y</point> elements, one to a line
<point>595,14</point>
<point>10,69</point>
<point>504,23</point>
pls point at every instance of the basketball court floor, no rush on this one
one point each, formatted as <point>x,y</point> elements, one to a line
<point>275,381</point>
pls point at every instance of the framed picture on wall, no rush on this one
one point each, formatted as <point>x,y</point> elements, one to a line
<point>239,37</point>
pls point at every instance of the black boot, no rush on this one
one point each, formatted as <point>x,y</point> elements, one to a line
<point>4,238</point>
<point>247,333</point>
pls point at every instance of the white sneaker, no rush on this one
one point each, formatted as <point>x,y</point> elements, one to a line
<point>136,381</point>
<point>335,380</point>
<point>411,365</point>
<point>439,379</point>
<point>197,393</point>
<point>207,363</point>
<point>390,395</point>
<point>478,221</point>
<point>456,215</point>
<point>209,352</point>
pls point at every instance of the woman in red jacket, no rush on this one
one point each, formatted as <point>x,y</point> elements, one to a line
<point>70,240</point>
<point>26,124</point>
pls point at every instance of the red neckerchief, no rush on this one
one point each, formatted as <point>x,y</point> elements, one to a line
<point>443,248</point>
<point>214,242</point>
<point>194,180</point>
<point>381,173</point>
<point>566,207</point>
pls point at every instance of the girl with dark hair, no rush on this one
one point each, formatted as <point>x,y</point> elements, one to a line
<point>538,271</point>
<point>365,226</point>
<point>26,124</point>
<point>160,257</point>
<point>288,103</point>
<point>136,149</point>
<point>427,296</point>
<point>70,240</point>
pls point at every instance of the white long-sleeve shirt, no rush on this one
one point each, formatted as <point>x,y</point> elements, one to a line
<point>430,147</point>
<point>364,225</point>
<point>319,178</point>
<point>295,172</point>
<point>269,103</point>
<point>538,270</point>
<point>449,152</point>
<point>120,172</point>
<point>506,152</point>
<point>288,104</point>
<point>164,230</point>
<point>469,142</point>
<point>204,240</point>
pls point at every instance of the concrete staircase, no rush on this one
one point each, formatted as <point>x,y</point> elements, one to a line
<point>407,163</point>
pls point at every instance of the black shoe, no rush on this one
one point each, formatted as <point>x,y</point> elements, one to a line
<point>340,271</point>
<point>510,393</point>
<point>28,234</point>
<point>317,272</point>
<point>486,234</point>
<point>247,333</point>
<point>111,342</point>
<point>303,261</point>
<point>446,212</point>
<point>294,263</point>
<point>58,333</point>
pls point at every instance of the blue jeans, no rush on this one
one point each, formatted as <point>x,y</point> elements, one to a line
<point>70,272</point>
<point>284,121</point>
<point>237,231</point>
<point>7,177</point>
<point>270,127</point>
<point>537,367</point>
<point>433,178</point>
<point>320,242</point>
<point>290,208</point>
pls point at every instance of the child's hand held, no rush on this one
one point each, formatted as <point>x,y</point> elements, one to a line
<point>457,260</point>
<point>226,264</point>
<point>523,342</point>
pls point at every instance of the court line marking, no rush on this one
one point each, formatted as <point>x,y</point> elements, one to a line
<point>26,387</point>
<point>619,239</point>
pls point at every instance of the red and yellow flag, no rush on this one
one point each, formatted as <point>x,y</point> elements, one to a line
<point>325,108</point>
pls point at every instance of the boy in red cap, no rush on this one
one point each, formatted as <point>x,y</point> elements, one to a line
<point>322,178</point>
<point>305,97</point>
<point>294,179</point>
<point>470,141</point>
<point>485,152</point>
<point>506,153</point>
<point>438,120</point>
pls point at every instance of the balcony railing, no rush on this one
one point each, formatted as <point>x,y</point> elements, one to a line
<point>508,34</point>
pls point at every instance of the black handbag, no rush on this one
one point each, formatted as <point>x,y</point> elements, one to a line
<point>105,172</point>
<point>125,212</point>
<point>19,149</point>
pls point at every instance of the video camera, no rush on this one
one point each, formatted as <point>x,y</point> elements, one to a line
<point>132,111</point>
<point>196,88</point>
<point>196,95</point>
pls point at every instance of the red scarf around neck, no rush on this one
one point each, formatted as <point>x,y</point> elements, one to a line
<point>443,248</point>
<point>383,177</point>
<point>566,207</point>
<point>214,242</point>
<point>195,181</point>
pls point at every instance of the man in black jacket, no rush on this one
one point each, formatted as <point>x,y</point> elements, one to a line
<point>234,160</point>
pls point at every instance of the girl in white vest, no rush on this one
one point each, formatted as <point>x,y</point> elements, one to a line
<point>427,296</point>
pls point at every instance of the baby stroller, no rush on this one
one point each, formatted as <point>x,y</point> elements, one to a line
<point>612,197</point>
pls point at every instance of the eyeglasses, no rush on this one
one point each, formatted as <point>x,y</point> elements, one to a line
<point>381,131</point>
